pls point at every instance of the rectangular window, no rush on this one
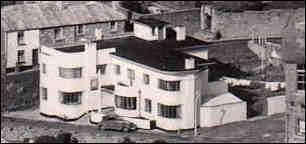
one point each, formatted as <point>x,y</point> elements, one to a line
<point>70,73</point>
<point>301,77</point>
<point>94,84</point>
<point>153,31</point>
<point>44,93</point>
<point>146,79</point>
<point>58,34</point>
<point>172,112</point>
<point>169,85</point>
<point>71,98</point>
<point>21,58</point>
<point>148,105</point>
<point>301,128</point>
<point>80,29</point>
<point>131,74</point>
<point>20,38</point>
<point>44,69</point>
<point>128,103</point>
<point>113,26</point>
<point>102,69</point>
<point>117,69</point>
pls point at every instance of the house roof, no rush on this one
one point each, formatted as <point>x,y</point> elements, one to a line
<point>162,55</point>
<point>36,16</point>
<point>226,98</point>
<point>151,22</point>
<point>72,49</point>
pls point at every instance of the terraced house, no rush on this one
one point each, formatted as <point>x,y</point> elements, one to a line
<point>145,76</point>
<point>28,26</point>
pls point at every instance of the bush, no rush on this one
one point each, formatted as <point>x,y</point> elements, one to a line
<point>159,141</point>
<point>46,139</point>
<point>127,140</point>
<point>64,137</point>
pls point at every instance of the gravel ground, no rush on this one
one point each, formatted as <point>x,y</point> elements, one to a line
<point>268,130</point>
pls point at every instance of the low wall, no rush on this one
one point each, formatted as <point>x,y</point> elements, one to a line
<point>276,104</point>
<point>22,91</point>
<point>141,123</point>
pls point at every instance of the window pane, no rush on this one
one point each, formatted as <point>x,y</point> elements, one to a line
<point>70,72</point>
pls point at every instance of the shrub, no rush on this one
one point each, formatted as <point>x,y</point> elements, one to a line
<point>159,141</point>
<point>127,140</point>
<point>64,137</point>
<point>46,139</point>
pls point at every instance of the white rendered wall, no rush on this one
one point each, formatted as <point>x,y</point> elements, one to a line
<point>184,97</point>
<point>201,53</point>
<point>223,114</point>
<point>55,84</point>
<point>276,104</point>
<point>144,32</point>
<point>31,39</point>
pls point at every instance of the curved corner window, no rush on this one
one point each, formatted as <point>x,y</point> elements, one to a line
<point>169,85</point>
<point>70,73</point>
<point>172,112</point>
<point>71,98</point>
<point>128,103</point>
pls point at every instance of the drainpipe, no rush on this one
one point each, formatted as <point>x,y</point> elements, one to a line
<point>197,96</point>
<point>139,98</point>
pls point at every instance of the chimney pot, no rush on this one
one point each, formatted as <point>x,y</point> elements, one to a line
<point>180,33</point>
<point>189,63</point>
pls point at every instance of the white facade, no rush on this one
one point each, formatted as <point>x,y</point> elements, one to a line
<point>138,89</point>
<point>276,104</point>
<point>30,42</point>
<point>53,61</point>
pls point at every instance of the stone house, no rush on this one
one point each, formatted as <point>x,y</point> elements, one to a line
<point>29,26</point>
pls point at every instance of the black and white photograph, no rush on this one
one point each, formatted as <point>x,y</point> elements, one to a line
<point>153,71</point>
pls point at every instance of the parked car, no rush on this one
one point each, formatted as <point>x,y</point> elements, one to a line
<point>105,113</point>
<point>117,124</point>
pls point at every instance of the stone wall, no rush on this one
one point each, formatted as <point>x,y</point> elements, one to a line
<point>3,68</point>
<point>22,91</point>
<point>239,24</point>
<point>70,36</point>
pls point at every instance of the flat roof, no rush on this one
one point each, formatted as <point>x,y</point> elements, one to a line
<point>151,22</point>
<point>159,54</point>
<point>72,49</point>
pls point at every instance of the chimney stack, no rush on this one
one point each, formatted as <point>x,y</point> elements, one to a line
<point>189,63</point>
<point>180,33</point>
<point>115,4</point>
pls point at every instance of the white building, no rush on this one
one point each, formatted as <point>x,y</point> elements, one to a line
<point>142,76</point>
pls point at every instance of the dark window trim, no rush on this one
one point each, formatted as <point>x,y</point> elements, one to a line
<point>127,103</point>
<point>74,98</point>
<point>169,85</point>
<point>21,38</point>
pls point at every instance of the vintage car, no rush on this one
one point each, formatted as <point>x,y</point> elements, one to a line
<point>117,124</point>
<point>105,113</point>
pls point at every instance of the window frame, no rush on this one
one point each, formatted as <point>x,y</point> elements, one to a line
<point>299,126</point>
<point>154,33</point>
<point>70,73</point>
<point>94,84</point>
<point>117,69</point>
<point>21,57</point>
<point>146,79</point>
<point>60,36</point>
<point>44,68</point>
<point>169,112</point>
<point>127,103</point>
<point>21,38</point>
<point>300,77</point>
<point>80,27</point>
<point>44,93</point>
<point>74,98</point>
<point>148,105</point>
<point>169,85</point>
<point>113,25</point>
<point>131,74</point>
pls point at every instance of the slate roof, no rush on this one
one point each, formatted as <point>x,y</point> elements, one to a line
<point>162,55</point>
<point>151,22</point>
<point>36,16</point>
